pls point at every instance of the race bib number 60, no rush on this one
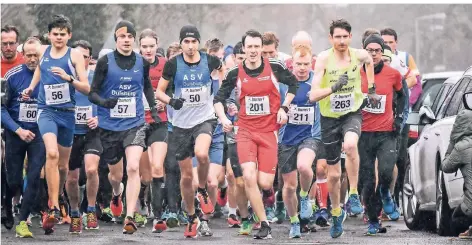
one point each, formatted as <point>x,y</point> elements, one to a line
<point>28,112</point>
<point>342,102</point>
<point>257,106</point>
<point>57,93</point>
<point>125,108</point>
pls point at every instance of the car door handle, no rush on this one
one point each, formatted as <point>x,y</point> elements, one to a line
<point>425,137</point>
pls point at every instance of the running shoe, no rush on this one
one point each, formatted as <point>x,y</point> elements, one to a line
<point>192,228</point>
<point>22,230</point>
<point>264,232</point>
<point>295,231</point>
<point>246,228</point>
<point>172,220</point>
<point>75,225</point>
<point>130,226</point>
<point>91,221</point>
<point>158,226</point>
<point>355,205</point>
<point>205,202</point>
<point>306,209</point>
<point>337,226</point>
<point>222,197</point>
<point>204,229</point>
<point>233,221</point>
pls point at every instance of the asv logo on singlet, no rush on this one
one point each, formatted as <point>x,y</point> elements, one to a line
<point>302,115</point>
<point>377,109</point>
<point>195,96</point>
<point>82,114</point>
<point>125,108</point>
<point>341,102</point>
<point>28,112</point>
<point>57,93</point>
<point>257,106</point>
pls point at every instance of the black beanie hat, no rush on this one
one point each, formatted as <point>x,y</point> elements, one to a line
<point>189,31</point>
<point>125,26</point>
<point>374,38</point>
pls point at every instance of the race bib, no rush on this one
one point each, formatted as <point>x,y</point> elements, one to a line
<point>342,102</point>
<point>57,93</point>
<point>125,108</point>
<point>377,109</point>
<point>302,115</point>
<point>28,112</point>
<point>257,106</point>
<point>82,114</point>
<point>195,96</point>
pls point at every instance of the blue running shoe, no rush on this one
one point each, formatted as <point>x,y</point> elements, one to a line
<point>387,202</point>
<point>172,220</point>
<point>337,227</point>
<point>355,205</point>
<point>322,218</point>
<point>295,231</point>
<point>306,209</point>
<point>373,228</point>
<point>270,214</point>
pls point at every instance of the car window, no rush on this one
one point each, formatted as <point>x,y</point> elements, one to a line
<point>453,100</point>
<point>440,98</point>
<point>428,95</point>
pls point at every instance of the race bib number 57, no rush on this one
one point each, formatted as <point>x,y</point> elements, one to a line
<point>257,106</point>
<point>125,108</point>
<point>342,102</point>
<point>57,93</point>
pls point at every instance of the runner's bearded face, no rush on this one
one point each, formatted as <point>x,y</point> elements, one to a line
<point>341,39</point>
<point>269,51</point>
<point>148,48</point>
<point>253,49</point>
<point>390,41</point>
<point>59,37</point>
<point>301,65</point>
<point>124,42</point>
<point>9,44</point>
<point>190,46</point>
<point>31,54</point>
<point>375,51</point>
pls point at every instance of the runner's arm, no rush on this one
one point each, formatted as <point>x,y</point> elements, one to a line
<point>228,85</point>
<point>82,85</point>
<point>101,71</point>
<point>366,59</point>
<point>401,97</point>
<point>148,89</point>
<point>411,79</point>
<point>7,121</point>
<point>286,77</point>
<point>317,93</point>
<point>170,68</point>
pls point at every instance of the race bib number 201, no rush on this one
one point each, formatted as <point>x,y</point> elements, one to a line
<point>57,93</point>
<point>28,112</point>
<point>342,102</point>
<point>125,108</point>
<point>257,106</point>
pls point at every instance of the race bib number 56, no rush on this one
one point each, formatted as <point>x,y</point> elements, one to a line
<point>257,106</point>
<point>57,93</point>
<point>125,108</point>
<point>342,102</point>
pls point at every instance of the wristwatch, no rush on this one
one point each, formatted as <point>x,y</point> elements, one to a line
<point>284,108</point>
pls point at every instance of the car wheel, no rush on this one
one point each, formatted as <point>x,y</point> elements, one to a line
<point>411,213</point>
<point>443,211</point>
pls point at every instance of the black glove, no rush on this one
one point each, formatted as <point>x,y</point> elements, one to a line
<point>450,148</point>
<point>177,103</point>
<point>397,126</point>
<point>110,103</point>
<point>342,81</point>
<point>155,115</point>
<point>373,97</point>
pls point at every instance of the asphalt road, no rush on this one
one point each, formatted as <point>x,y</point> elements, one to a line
<point>110,234</point>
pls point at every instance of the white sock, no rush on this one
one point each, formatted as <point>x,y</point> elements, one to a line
<point>232,211</point>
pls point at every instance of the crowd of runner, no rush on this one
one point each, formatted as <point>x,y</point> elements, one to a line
<point>189,134</point>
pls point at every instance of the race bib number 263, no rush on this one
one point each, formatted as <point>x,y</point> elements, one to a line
<point>342,102</point>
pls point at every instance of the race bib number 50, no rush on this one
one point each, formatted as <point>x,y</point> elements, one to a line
<point>195,96</point>
<point>57,93</point>
<point>125,108</point>
<point>342,102</point>
<point>257,106</point>
<point>379,108</point>
<point>28,112</point>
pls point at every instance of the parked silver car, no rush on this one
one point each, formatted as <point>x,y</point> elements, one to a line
<point>429,195</point>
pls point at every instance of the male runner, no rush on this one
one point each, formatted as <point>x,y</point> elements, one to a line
<point>10,56</point>
<point>381,124</point>
<point>301,38</point>
<point>121,78</point>
<point>86,148</point>
<point>156,136</point>
<point>22,134</point>
<point>300,142</point>
<point>257,80</point>
<point>193,118</point>
<point>58,69</point>
<point>337,87</point>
